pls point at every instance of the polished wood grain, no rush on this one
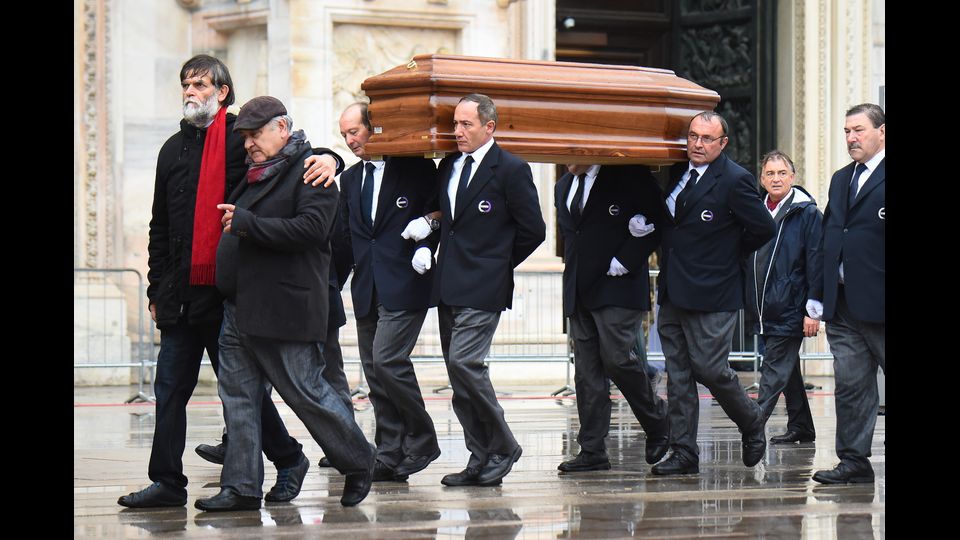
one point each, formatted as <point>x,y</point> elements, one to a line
<point>552,112</point>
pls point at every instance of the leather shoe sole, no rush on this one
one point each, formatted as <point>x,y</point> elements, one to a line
<point>155,495</point>
<point>227,501</point>
<point>675,465</point>
<point>491,474</point>
<point>414,464</point>
<point>836,476</point>
<point>570,466</point>
<point>792,437</point>
<point>213,454</point>
<point>356,486</point>
<point>656,448</point>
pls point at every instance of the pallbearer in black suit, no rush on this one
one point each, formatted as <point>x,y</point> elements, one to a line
<point>605,292</point>
<point>391,292</point>
<point>854,301</point>
<point>717,219</point>
<point>491,222</point>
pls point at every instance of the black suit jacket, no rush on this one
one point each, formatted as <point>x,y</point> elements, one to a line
<point>499,225</point>
<point>283,257</point>
<point>381,256</point>
<point>856,237</point>
<point>618,193</point>
<point>705,244</point>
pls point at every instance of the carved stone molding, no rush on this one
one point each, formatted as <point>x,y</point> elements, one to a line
<point>800,89</point>
<point>97,199</point>
<point>823,113</point>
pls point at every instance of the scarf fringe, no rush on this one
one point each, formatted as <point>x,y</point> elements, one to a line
<point>203,274</point>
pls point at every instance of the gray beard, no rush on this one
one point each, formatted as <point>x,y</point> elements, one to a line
<point>200,116</point>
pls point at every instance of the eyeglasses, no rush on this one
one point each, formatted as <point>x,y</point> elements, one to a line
<point>782,174</point>
<point>692,138</point>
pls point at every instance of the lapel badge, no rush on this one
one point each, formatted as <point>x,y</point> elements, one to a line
<point>485,207</point>
<point>882,213</point>
<point>402,202</point>
<point>614,210</point>
<point>706,215</point>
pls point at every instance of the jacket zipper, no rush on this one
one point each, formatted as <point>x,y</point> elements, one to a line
<point>773,254</point>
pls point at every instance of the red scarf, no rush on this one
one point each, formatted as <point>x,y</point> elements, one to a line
<point>206,215</point>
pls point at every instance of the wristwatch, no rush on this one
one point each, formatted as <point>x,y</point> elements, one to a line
<point>434,224</point>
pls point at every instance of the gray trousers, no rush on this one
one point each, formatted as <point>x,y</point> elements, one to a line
<point>465,337</point>
<point>386,339</point>
<point>858,349</point>
<point>696,346</point>
<point>780,372</point>
<point>603,338</point>
<point>333,367</point>
<point>248,365</point>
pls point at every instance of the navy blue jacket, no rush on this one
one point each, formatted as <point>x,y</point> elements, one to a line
<point>381,256</point>
<point>856,237</point>
<point>499,226</point>
<point>618,193</point>
<point>794,269</point>
<point>705,244</point>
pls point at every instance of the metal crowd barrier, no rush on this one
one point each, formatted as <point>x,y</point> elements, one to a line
<point>101,335</point>
<point>531,332</point>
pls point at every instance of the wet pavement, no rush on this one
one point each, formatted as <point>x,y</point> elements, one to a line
<point>775,499</point>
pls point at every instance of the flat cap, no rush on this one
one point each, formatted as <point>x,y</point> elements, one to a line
<point>257,112</point>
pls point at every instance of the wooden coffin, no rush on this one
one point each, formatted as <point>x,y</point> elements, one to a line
<point>552,112</point>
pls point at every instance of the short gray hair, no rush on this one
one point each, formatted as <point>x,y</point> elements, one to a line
<point>486,109</point>
<point>275,121</point>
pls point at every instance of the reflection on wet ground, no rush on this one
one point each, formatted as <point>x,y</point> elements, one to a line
<point>776,499</point>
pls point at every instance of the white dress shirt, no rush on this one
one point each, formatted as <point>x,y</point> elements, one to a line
<point>587,186</point>
<point>454,182</point>
<point>672,198</point>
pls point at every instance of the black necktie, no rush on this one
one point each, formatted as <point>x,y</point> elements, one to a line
<point>577,205</point>
<point>462,186</point>
<point>853,183</point>
<point>366,194</point>
<point>685,192</point>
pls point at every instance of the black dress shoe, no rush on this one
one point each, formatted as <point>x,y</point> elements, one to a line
<point>498,466</point>
<point>324,462</point>
<point>793,437</point>
<point>657,447</point>
<point>754,445</point>
<point>845,474</point>
<point>289,481</point>
<point>415,464</point>
<point>466,477</point>
<point>213,454</point>
<point>384,473</point>
<point>586,461</point>
<point>227,500</point>
<point>153,496</point>
<point>356,486</point>
<point>677,463</point>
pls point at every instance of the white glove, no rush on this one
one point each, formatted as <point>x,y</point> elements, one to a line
<point>639,227</point>
<point>422,259</point>
<point>616,269</point>
<point>814,309</point>
<point>417,230</point>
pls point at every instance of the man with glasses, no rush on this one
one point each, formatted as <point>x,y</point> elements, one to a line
<point>715,219</point>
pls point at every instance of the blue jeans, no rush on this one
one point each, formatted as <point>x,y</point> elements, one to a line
<point>248,365</point>
<point>178,367</point>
